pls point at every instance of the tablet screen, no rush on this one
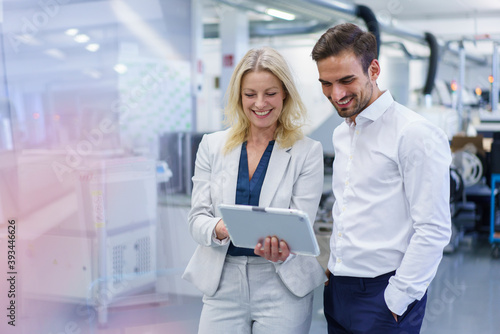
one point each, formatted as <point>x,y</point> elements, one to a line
<point>249,225</point>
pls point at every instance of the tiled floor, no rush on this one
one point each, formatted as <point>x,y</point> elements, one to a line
<point>463,298</point>
<point>465,295</point>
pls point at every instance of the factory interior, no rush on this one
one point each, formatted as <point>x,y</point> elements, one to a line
<point>103,104</point>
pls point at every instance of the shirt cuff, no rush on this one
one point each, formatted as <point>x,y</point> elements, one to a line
<point>290,257</point>
<point>397,301</point>
<point>217,241</point>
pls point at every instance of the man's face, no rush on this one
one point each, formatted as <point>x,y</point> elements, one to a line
<point>346,85</point>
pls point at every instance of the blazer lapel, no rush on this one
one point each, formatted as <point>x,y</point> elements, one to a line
<point>274,174</point>
<point>230,165</point>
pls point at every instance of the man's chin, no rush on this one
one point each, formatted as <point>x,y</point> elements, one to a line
<point>345,113</point>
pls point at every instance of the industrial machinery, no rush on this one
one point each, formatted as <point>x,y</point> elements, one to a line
<point>103,252</point>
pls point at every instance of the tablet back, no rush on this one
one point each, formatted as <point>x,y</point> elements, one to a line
<point>248,225</point>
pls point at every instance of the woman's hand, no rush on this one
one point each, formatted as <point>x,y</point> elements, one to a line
<point>273,250</point>
<point>221,230</point>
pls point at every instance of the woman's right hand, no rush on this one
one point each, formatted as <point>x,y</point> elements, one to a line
<point>221,231</point>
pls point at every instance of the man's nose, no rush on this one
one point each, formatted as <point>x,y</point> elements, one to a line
<point>336,93</point>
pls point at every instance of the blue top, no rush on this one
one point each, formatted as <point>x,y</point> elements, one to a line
<point>248,191</point>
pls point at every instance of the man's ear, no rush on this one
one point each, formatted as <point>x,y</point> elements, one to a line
<point>374,70</point>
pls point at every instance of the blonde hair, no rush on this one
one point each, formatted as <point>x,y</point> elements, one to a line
<point>293,115</point>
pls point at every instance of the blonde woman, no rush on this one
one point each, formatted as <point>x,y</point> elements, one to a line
<point>263,159</point>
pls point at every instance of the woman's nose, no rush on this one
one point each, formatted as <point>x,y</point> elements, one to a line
<point>260,102</point>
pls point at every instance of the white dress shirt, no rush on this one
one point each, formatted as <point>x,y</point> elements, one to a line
<point>391,188</point>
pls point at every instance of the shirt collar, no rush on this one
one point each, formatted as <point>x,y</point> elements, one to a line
<point>374,110</point>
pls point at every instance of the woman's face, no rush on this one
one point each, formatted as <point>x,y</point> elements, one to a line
<point>262,98</point>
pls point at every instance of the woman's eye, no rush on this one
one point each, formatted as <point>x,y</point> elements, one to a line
<point>271,94</point>
<point>249,95</point>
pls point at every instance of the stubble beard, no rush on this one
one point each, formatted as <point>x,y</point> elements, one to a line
<point>357,106</point>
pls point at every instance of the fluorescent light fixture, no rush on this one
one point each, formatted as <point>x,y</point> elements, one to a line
<point>55,53</point>
<point>92,47</point>
<point>71,32</point>
<point>81,38</point>
<point>279,14</point>
<point>120,68</point>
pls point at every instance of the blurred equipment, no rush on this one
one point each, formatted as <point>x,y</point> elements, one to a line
<point>469,193</point>
<point>463,212</point>
<point>178,150</point>
<point>495,213</point>
<point>104,253</point>
<point>470,167</point>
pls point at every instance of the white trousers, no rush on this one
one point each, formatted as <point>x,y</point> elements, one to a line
<point>251,298</point>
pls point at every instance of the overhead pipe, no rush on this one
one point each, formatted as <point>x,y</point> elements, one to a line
<point>494,85</point>
<point>481,61</point>
<point>360,11</point>
<point>433,64</point>
<point>460,89</point>
<point>339,6</point>
<point>371,22</point>
<point>403,48</point>
<point>390,29</point>
<point>263,30</point>
<point>260,29</point>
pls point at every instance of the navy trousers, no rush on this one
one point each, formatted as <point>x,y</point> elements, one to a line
<point>354,305</point>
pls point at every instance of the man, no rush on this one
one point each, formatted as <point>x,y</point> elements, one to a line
<point>391,217</point>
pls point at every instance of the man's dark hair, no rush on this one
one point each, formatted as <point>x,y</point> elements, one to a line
<point>350,37</point>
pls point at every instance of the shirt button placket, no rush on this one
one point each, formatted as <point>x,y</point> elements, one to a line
<point>345,199</point>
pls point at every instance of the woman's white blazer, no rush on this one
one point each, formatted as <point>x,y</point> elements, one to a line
<point>294,179</point>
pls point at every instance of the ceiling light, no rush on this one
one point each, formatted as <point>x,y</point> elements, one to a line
<point>279,14</point>
<point>120,68</point>
<point>93,47</point>
<point>55,53</point>
<point>81,38</point>
<point>71,32</point>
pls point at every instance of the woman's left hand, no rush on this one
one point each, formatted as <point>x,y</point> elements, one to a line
<point>273,250</point>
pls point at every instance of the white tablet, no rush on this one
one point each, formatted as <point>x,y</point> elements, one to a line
<point>248,225</point>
